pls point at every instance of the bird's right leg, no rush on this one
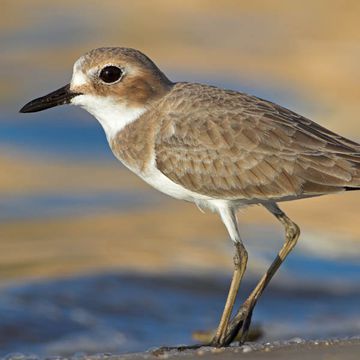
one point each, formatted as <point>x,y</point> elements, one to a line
<point>239,325</point>
<point>228,217</point>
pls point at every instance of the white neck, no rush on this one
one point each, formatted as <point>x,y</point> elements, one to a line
<point>112,116</point>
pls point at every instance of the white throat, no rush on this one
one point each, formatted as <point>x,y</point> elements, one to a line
<point>113,116</point>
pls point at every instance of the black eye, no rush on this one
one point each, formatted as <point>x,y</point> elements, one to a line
<point>110,74</point>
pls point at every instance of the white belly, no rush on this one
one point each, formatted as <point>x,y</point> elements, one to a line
<point>159,181</point>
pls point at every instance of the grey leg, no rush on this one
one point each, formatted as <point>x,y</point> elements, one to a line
<point>241,321</point>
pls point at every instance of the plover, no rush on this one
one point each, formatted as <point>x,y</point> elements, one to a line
<point>219,149</point>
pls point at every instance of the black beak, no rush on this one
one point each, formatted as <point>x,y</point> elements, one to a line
<point>58,97</point>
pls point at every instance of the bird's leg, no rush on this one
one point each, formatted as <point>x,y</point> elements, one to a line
<point>240,260</point>
<point>241,321</point>
<point>228,217</point>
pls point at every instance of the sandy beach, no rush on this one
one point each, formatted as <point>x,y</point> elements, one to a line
<point>295,349</point>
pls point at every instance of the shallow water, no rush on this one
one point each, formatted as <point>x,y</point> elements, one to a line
<point>132,312</point>
<point>56,205</point>
<point>58,133</point>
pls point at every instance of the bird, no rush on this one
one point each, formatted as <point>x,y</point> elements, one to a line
<point>220,149</point>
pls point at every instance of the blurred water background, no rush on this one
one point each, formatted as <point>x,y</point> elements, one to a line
<point>91,258</point>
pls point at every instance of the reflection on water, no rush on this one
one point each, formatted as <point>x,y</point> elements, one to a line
<point>57,205</point>
<point>127,312</point>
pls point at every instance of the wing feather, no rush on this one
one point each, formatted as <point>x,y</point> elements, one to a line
<point>231,145</point>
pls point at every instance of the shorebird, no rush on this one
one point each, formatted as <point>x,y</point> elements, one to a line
<point>217,148</point>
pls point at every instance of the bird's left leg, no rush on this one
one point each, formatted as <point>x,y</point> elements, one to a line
<point>241,321</point>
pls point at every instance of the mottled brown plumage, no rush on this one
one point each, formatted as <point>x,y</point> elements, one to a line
<point>134,145</point>
<point>220,149</point>
<point>231,145</point>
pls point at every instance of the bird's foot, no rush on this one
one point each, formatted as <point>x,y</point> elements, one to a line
<point>207,338</point>
<point>238,328</point>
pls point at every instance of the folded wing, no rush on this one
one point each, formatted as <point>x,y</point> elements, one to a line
<point>231,145</point>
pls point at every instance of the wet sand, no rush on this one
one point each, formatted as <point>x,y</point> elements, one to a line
<point>296,349</point>
<point>127,313</point>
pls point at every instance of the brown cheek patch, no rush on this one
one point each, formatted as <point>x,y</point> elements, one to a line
<point>137,89</point>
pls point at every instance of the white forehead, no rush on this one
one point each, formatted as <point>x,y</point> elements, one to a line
<point>83,74</point>
<point>79,78</point>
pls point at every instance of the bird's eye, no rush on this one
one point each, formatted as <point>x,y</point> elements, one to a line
<point>110,74</point>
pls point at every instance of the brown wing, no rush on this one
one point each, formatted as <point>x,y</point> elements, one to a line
<point>231,145</point>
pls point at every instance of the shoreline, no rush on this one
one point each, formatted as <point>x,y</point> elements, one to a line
<point>296,349</point>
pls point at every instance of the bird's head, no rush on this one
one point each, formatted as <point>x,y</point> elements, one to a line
<point>114,84</point>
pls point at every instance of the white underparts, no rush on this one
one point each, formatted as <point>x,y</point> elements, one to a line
<point>112,115</point>
<point>154,177</point>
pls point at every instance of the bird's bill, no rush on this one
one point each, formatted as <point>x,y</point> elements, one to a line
<point>58,97</point>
